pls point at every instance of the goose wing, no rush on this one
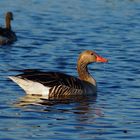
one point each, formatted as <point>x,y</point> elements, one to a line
<point>51,79</point>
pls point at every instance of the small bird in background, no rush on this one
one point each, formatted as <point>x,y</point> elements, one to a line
<point>7,36</point>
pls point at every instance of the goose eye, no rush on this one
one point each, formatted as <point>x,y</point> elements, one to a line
<point>92,54</point>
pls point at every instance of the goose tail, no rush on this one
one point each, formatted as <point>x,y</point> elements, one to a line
<point>31,87</point>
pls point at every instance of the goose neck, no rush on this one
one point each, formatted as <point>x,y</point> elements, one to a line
<point>8,23</point>
<point>83,72</point>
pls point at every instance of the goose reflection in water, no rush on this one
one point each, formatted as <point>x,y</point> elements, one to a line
<point>81,104</point>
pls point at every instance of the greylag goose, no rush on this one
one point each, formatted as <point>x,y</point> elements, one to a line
<point>56,84</point>
<point>7,36</point>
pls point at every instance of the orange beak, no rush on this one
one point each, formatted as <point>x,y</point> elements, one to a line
<point>101,59</point>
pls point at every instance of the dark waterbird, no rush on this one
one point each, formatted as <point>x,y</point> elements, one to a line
<point>7,36</point>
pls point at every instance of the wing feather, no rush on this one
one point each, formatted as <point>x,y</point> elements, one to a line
<point>52,79</point>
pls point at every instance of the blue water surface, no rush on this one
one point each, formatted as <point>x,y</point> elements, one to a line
<point>51,34</point>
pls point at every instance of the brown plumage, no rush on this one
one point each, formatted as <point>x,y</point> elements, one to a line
<point>59,84</point>
<point>7,36</point>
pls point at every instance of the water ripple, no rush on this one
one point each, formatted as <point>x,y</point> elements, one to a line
<point>51,34</point>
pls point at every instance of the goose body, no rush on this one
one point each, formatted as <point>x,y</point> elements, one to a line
<point>7,36</point>
<point>57,84</point>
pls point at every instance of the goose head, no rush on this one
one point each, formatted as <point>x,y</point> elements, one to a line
<point>89,56</point>
<point>85,58</point>
<point>9,15</point>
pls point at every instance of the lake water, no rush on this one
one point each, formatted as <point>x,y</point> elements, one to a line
<point>51,34</point>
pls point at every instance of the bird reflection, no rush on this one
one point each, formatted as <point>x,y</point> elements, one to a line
<point>81,105</point>
<point>42,100</point>
<point>76,110</point>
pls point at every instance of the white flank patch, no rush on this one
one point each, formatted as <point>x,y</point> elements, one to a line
<point>31,87</point>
